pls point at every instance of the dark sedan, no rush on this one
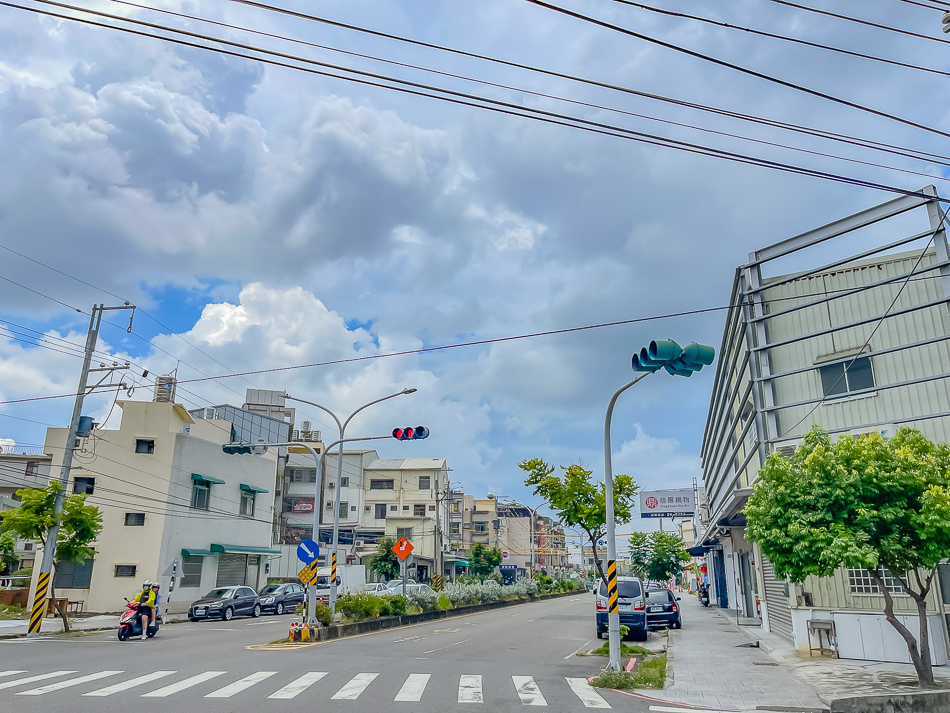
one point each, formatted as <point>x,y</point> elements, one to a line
<point>662,609</point>
<point>279,598</point>
<point>226,603</point>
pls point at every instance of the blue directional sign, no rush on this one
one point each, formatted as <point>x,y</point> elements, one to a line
<point>308,551</point>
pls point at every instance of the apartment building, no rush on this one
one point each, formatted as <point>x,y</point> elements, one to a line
<point>22,467</point>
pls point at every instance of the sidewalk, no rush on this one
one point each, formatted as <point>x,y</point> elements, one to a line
<point>12,628</point>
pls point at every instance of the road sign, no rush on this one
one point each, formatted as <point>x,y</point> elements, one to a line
<point>170,570</point>
<point>403,548</point>
<point>308,551</point>
<point>308,575</point>
<point>504,554</point>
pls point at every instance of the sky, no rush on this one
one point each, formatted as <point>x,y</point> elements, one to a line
<point>262,217</point>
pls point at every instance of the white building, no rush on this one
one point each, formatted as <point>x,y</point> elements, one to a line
<point>22,467</point>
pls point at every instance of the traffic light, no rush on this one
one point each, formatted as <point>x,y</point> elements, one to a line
<point>946,21</point>
<point>244,449</point>
<point>410,434</point>
<point>677,360</point>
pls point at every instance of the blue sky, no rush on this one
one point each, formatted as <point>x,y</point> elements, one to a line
<point>267,217</point>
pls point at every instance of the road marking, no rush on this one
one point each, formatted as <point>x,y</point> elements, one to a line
<point>11,673</point>
<point>445,631</point>
<point>669,709</point>
<point>218,628</point>
<point>354,687</point>
<point>59,685</point>
<point>470,689</point>
<point>583,690</point>
<point>182,685</point>
<point>131,683</point>
<point>574,653</point>
<point>446,646</point>
<point>259,623</point>
<point>295,688</point>
<point>528,691</point>
<point>413,688</point>
<point>240,684</point>
<point>32,679</point>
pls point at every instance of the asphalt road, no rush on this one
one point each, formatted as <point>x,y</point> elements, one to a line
<point>499,661</point>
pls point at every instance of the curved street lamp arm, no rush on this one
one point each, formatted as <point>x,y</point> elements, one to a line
<point>384,398</point>
<point>339,426</point>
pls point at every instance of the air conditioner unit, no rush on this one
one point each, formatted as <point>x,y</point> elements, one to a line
<point>331,485</point>
<point>367,508</point>
<point>786,449</point>
<point>359,543</point>
<point>329,506</point>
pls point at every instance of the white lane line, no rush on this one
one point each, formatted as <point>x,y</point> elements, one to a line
<point>670,709</point>
<point>295,688</point>
<point>470,689</point>
<point>577,651</point>
<point>131,683</point>
<point>446,646</point>
<point>32,679</point>
<point>528,691</point>
<point>263,623</point>
<point>583,690</point>
<point>413,688</point>
<point>11,673</point>
<point>183,684</point>
<point>240,685</point>
<point>354,687</point>
<point>59,685</point>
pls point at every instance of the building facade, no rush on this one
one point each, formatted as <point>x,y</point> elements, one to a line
<point>22,467</point>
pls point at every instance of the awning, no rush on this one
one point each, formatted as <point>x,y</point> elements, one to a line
<point>207,479</point>
<point>244,549</point>
<point>697,551</point>
<point>196,553</point>
<point>252,488</point>
<point>461,563</point>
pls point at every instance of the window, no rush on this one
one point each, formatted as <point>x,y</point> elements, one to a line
<point>125,570</point>
<point>405,507</point>
<point>344,481</point>
<point>455,528</point>
<point>344,508</point>
<point>424,481</point>
<point>481,526</point>
<point>380,511</point>
<point>431,508</point>
<point>84,486</point>
<point>835,381</point>
<point>30,467</point>
<point>419,510</point>
<point>247,503</point>
<point>393,508</point>
<point>456,506</point>
<point>134,519</point>
<point>200,494</point>
<point>73,576</point>
<point>352,508</point>
<point>144,445</point>
<point>404,532</point>
<point>191,570</point>
<point>380,485</point>
<point>861,583</point>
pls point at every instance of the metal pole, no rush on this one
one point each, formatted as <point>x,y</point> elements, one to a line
<point>613,612</point>
<point>438,533</point>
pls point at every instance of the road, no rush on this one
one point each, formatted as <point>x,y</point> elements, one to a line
<point>499,661</point>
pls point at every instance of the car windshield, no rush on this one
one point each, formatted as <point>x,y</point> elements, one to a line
<point>220,593</point>
<point>662,595</point>
<point>269,589</point>
<point>627,589</point>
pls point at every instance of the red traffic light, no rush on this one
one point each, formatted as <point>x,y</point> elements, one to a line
<point>410,434</point>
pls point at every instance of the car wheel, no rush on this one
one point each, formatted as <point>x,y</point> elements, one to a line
<point>191,618</point>
<point>228,614</point>
<point>638,634</point>
<point>600,634</point>
<point>257,611</point>
<point>678,624</point>
<point>279,609</point>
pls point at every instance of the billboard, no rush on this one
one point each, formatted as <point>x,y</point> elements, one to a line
<point>303,506</point>
<point>667,503</point>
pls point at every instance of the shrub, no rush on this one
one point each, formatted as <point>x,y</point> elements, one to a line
<point>443,602</point>
<point>392,605</point>
<point>359,606</point>
<point>423,599</point>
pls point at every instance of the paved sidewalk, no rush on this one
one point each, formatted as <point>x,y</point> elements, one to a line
<point>10,628</point>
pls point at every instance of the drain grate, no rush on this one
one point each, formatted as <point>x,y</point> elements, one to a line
<point>764,663</point>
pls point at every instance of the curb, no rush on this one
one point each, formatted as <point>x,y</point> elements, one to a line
<point>97,629</point>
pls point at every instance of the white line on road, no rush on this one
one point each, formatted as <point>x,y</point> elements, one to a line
<point>11,673</point>
<point>131,683</point>
<point>33,679</point>
<point>589,697</point>
<point>182,685</point>
<point>470,689</point>
<point>446,646</point>
<point>574,653</point>
<point>263,623</point>
<point>295,688</point>
<point>528,691</point>
<point>240,684</point>
<point>354,687</point>
<point>413,688</point>
<point>59,685</point>
<point>219,628</point>
<point>669,709</point>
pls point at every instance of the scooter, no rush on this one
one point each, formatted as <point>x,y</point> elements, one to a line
<point>130,623</point>
<point>704,596</point>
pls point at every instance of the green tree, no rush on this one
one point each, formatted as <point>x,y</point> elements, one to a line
<point>79,525</point>
<point>8,556</point>
<point>483,560</point>
<point>578,502</point>
<point>657,556</point>
<point>384,562</point>
<point>860,502</point>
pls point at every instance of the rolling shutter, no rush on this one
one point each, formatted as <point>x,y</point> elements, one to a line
<point>232,570</point>
<point>776,602</point>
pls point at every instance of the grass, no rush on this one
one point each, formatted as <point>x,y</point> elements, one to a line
<point>649,673</point>
<point>624,650</point>
<point>13,612</point>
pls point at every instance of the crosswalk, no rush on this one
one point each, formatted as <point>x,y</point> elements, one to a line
<point>467,689</point>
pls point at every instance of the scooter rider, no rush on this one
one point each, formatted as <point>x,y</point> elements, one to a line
<point>146,601</point>
<point>156,590</point>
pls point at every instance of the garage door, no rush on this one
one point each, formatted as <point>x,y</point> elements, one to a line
<point>776,602</point>
<point>232,570</point>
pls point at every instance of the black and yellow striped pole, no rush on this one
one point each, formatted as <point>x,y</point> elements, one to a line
<point>39,603</point>
<point>612,606</point>
<point>333,570</point>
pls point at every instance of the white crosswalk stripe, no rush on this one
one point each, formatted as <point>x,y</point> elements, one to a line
<point>354,687</point>
<point>131,683</point>
<point>528,691</point>
<point>295,688</point>
<point>33,679</point>
<point>241,684</point>
<point>59,685</point>
<point>10,673</point>
<point>182,685</point>
<point>413,688</point>
<point>674,709</point>
<point>470,689</point>
<point>583,690</point>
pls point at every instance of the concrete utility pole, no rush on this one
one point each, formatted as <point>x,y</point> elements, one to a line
<point>49,551</point>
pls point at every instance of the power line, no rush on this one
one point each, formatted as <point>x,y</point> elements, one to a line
<point>860,21</point>
<point>736,67</point>
<point>929,7</point>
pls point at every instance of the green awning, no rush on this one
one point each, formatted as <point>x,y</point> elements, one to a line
<point>207,479</point>
<point>252,488</point>
<point>244,549</point>
<point>461,563</point>
<point>196,553</point>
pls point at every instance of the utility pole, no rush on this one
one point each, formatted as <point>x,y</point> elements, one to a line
<point>49,551</point>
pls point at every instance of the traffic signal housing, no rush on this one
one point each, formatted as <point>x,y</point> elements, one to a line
<point>244,449</point>
<point>946,21</point>
<point>410,434</point>
<point>677,360</point>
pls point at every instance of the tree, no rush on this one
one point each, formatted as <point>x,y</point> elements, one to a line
<point>79,526</point>
<point>483,560</point>
<point>384,562</point>
<point>8,556</point>
<point>578,502</point>
<point>881,505</point>
<point>658,556</point>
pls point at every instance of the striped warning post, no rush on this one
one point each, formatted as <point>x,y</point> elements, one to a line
<point>612,605</point>
<point>437,582</point>
<point>39,603</point>
<point>333,569</point>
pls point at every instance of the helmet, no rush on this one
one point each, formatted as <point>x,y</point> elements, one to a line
<point>156,585</point>
<point>146,584</point>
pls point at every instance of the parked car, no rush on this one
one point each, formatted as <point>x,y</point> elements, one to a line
<point>226,603</point>
<point>393,583</point>
<point>662,609</point>
<point>397,588</point>
<point>279,598</point>
<point>632,605</point>
<point>377,588</point>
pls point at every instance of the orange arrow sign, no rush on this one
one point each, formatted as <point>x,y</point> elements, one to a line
<point>403,548</point>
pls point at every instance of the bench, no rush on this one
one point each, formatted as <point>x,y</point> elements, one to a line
<point>51,608</point>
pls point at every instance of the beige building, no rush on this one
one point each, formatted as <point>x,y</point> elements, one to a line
<point>22,467</point>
